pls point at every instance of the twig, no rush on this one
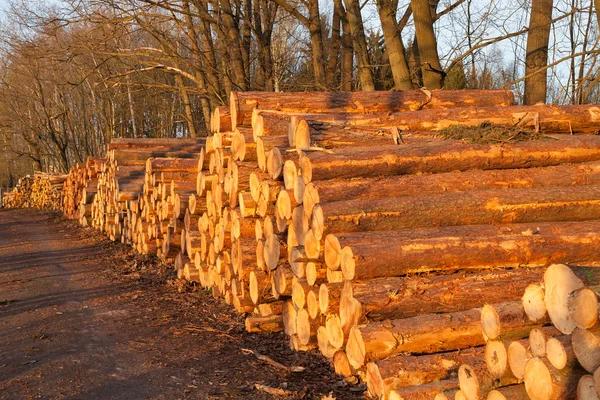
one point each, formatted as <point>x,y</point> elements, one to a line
<point>272,362</point>
<point>273,391</point>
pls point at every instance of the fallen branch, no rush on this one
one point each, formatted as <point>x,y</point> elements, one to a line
<point>272,362</point>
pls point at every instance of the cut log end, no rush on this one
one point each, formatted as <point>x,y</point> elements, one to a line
<point>537,342</point>
<point>302,135</point>
<point>496,358</point>
<point>490,322</point>
<point>583,308</point>
<point>312,304</point>
<point>556,353</point>
<point>333,252</point>
<point>355,348</point>
<point>290,175</point>
<point>586,388</point>
<point>334,331</point>
<point>341,364</point>
<point>375,384</point>
<point>559,283</point>
<point>518,356</point>
<point>533,302</point>
<point>303,329</point>
<point>323,298</point>
<point>469,384</point>
<point>586,346</point>
<point>538,380</point>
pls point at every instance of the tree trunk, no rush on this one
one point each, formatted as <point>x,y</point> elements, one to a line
<point>335,44</point>
<point>394,45</point>
<point>359,41</point>
<point>536,57</point>
<point>433,75</point>
<point>316,40</point>
<point>347,56</point>
<point>234,45</point>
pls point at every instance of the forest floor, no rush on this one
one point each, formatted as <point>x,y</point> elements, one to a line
<point>84,318</point>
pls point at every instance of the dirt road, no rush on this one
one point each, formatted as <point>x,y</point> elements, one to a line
<point>84,318</point>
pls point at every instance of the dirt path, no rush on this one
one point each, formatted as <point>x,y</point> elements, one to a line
<point>83,318</point>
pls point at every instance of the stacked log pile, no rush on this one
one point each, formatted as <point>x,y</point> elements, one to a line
<point>42,191</point>
<point>346,221</point>
<point>80,188</point>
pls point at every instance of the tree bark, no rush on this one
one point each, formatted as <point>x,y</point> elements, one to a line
<point>425,334</point>
<point>544,204</point>
<point>536,57</point>
<point>242,104</point>
<point>394,297</point>
<point>449,182</point>
<point>388,161</point>
<point>417,250</point>
<point>401,370</point>
<point>543,118</point>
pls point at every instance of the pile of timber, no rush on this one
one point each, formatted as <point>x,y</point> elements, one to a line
<point>80,188</point>
<point>380,242</point>
<point>344,220</point>
<point>544,346</point>
<point>42,191</point>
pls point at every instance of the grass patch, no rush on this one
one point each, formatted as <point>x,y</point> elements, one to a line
<point>490,133</point>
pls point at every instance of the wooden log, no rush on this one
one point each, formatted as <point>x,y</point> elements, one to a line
<point>506,321</point>
<point>544,118</point>
<point>398,160</point>
<point>496,359</point>
<point>427,391</point>
<point>242,104</point>
<point>503,206</point>
<point>306,137</point>
<point>271,323</point>
<point>419,185</point>
<point>559,283</point>
<point>544,382</point>
<point>586,389</point>
<point>476,381</point>
<point>513,392</point>
<point>586,346</point>
<point>221,119</point>
<point>401,370</point>
<point>417,250</point>
<point>559,351</point>
<point>393,297</point>
<point>424,334</point>
<point>169,143</point>
<point>533,302</point>
<point>583,307</point>
<point>271,123</point>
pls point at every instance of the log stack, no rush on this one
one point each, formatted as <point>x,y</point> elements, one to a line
<point>348,222</point>
<point>42,191</point>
